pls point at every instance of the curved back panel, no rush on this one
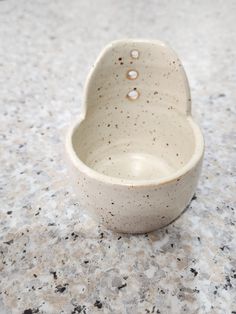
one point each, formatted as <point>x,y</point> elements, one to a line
<point>138,71</point>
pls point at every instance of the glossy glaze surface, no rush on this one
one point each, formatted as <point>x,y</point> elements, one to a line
<point>136,139</point>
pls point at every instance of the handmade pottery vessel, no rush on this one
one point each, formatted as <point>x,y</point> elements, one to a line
<point>135,151</point>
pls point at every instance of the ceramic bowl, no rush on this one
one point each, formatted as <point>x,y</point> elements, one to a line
<point>135,152</point>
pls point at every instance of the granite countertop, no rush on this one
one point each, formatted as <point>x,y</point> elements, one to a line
<point>55,259</point>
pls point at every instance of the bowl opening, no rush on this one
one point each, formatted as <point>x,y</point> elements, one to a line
<point>122,142</point>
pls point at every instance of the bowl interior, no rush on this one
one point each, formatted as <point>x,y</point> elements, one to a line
<point>134,142</point>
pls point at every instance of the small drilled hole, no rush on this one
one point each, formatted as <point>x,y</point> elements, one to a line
<point>132,74</point>
<point>133,94</point>
<point>134,54</point>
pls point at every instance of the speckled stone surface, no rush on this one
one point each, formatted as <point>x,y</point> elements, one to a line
<point>55,259</point>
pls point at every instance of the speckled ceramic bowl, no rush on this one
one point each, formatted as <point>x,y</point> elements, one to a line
<point>136,152</point>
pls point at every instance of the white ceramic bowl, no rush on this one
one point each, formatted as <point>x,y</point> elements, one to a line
<point>136,152</point>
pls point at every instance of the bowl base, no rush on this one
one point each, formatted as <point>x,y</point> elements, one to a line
<point>132,166</point>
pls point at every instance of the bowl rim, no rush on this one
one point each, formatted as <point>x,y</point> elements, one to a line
<point>105,179</point>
